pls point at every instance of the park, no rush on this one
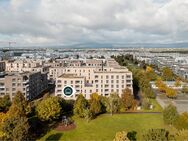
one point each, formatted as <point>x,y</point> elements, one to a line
<point>105,126</point>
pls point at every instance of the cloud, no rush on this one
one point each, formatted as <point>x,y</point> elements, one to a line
<point>43,22</point>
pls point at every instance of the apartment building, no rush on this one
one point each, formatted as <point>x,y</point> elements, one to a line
<point>31,84</point>
<point>2,66</point>
<point>27,65</point>
<point>100,76</point>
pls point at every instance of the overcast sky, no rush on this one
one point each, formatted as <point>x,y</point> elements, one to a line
<point>66,22</point>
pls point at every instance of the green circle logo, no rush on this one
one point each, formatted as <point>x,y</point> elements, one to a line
<point>68,91</point>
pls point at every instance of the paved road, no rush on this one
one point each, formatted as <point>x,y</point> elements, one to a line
<point>182,105</point>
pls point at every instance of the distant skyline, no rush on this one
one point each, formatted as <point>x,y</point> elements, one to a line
<point>80,22</point>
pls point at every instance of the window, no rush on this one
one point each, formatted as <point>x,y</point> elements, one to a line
<point>117,77</point>
<point>13,89</point>
<point>128,76</point>
<point>13,84</point>
<point>65,82</point>
<point>58,81</point>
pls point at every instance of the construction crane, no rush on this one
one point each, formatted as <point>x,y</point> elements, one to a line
<point>9,43</point>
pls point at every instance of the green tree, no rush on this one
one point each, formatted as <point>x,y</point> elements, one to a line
<point>149,93</point>
<point>114,103</point>
<point>19,106</point>
<point>95,104</point>
<point>182,121</point>
<point>16,128</point>
<point>5,103</point>
<point>156,135</point>
<point>128,99</point>
<point>132,135</point>
<point>80,105</point>
<point>170,114</point>
<point>49,109</point>
<point>167,74</point>
<point>146,104</point>
<point>121,136</point>
<point>87,114</point>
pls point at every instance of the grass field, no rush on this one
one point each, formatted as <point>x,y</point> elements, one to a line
<point>104,127</point>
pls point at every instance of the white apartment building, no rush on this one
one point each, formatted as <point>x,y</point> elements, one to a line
<point>100,76</point>
<point>27,65</point>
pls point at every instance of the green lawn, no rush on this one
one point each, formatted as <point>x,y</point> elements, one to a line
<point>104,127</point>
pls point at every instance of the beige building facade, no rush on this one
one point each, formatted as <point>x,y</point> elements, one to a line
<point>101,76</point>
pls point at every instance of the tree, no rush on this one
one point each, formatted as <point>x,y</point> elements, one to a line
<point>121,136</point>
<point>150,73</point>
<point>80,105</point>
<point>15,125</point>
<point>182,135</point>
<point>177,83</point>
<point>171,93</point>
<point>146,104</point>
<point>149,93</point>
<point>16,128</point>
<point>49,109</point>
<point>170,114</point>
<point>114,103</point>
<point>87,114</point>
<point>156,135</point>
<point>132,135</point>
<point>182,121</point>
<point>149,69</point>
<point>128,99</point>
<point>5,103</point>
<point>161,85</point>
<point>167,74</point>
<point>19,106</point>
<point>185,89</point>
<point>95,104</point>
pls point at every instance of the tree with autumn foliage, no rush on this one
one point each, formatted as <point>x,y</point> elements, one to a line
<point>167,74</point>
<point>150,73</point>
<point>128,99</point>
<point>95,104</point>
<point>177,83</point>
<point>161,85</point>
<point>16,126</point>
<point>171,93</point>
